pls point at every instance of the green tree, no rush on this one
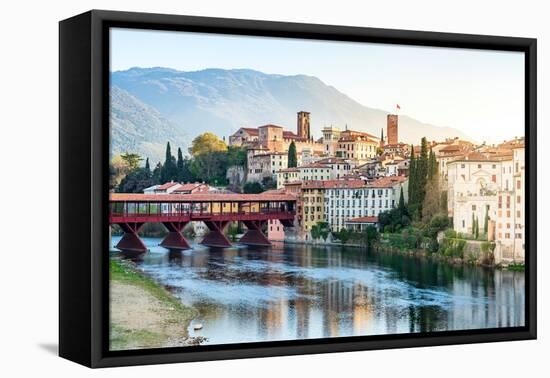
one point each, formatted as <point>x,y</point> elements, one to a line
<point>132,160</point>
<point>136,181</point>
<point>209,158</point>
<point>236,156</point>
<point>401,205</point>
<point>370,236</point>
<point>179,163</point>
<point>147,166</point>
<point>486,221</point>
<point>206,143</point>
<point>292,157</point>
<point>320,230</point>
<point>156,174</point>
<point>343,235</point>
<point>422,173</point>
<point>253,188</point>
<point>169,170</point>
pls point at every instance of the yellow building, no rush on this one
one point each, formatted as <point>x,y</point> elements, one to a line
<point>357,147</point>
<point>313,204</point>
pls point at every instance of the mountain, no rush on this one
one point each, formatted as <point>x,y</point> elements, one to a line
<point>221,101</point>
<point>138,127</point>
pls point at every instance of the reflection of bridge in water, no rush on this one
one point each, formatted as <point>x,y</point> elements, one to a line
<point>131,211</point>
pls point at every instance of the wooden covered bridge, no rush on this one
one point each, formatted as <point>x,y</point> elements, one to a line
<point>132,210</point>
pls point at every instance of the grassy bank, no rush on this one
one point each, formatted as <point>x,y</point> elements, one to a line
<point>143,313</point>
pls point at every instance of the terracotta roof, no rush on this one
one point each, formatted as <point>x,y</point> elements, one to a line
<point>450,148</point>
<point>477,156</point>
<point>190,186</point>
<point>387,182</point>
<point>270,125</point>
<point>167,185</point>
<point>396,145</point>
<point>333,184</point>
<point>199,197</point>
<point>333,160</point>
<point>275,191</point>
<point>294,183</point>
<point>289,135</point>
<point>250,130</point>
<point>355,138</point>
<point>288,170</point>
<point>363,220</point>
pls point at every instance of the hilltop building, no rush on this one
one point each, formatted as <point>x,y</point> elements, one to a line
<point>392,126</point>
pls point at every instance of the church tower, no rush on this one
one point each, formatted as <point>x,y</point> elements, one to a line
<point>303,129</point>
<point>392,132</point>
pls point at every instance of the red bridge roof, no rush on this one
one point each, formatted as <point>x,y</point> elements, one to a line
<point>199,197</point>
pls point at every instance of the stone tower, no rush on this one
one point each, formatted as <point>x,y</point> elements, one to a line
<point>392,132</point>
<point>303,129</point>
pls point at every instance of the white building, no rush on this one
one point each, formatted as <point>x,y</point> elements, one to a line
<point>510,219</point>
<point>314,171</point>
<point>369,200</point>
<point>284,176</point>
<point>473,183</point>
<point>266,165</point>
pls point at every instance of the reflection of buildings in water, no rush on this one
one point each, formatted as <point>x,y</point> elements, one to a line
<point>362,313</point>
<point>509,304</point>
<point>273,318</point>
<point>337,300</point>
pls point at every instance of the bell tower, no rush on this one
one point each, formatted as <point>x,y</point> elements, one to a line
<point>303,129</point>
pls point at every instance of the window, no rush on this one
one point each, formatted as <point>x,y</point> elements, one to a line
<point>518,214</point>
<point>518,184</point>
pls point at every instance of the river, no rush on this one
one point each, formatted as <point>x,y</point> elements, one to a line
<point>291,291</point>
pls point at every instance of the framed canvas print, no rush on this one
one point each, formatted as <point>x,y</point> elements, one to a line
<point>236,188</point>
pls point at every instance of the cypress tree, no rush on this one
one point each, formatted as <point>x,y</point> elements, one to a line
<point>412,177</point>
<point>422,171</point>
<point>180,160</point>
<point>292,158</point>
<point>486,221</point>
<point>473,224</point>
<point>401,205</point>
<point>169,169</point>
<point>147,166</point>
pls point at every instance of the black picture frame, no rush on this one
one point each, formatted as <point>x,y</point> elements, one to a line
<point>83,195</point>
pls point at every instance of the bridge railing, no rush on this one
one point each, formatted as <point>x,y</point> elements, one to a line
<point>190,213</point>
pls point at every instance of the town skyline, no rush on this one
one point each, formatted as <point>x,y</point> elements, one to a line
<point>477,92</point>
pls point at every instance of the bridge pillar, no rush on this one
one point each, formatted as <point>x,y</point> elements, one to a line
<point>174,239</point>
<point>216,237</point>
<point>254,234</point>
<point>130,240</point>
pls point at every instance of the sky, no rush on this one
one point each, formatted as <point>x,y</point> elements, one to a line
<point>480,92</point>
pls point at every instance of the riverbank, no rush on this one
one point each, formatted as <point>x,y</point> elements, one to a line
<point>144,314</point>
<point>483,257</point>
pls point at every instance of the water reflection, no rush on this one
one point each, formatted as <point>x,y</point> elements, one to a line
<point>294,291</point>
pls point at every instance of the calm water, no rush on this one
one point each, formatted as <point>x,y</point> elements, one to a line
<point>295,291</point>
